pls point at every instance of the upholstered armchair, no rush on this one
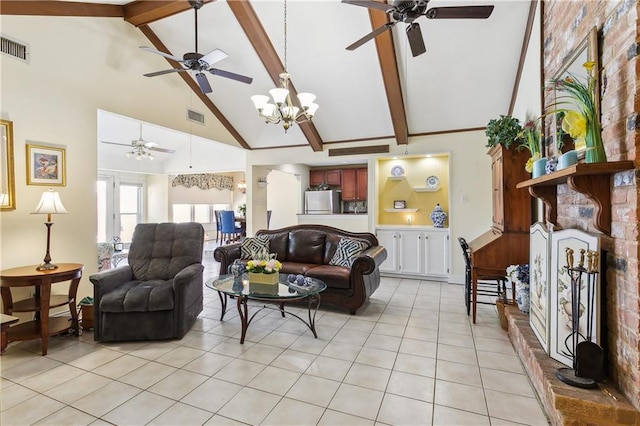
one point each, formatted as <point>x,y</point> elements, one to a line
<point>158,295</point>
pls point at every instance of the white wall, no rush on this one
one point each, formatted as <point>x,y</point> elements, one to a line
<point>470,184</point>
<point>283,198</point>
<point>77,66</point>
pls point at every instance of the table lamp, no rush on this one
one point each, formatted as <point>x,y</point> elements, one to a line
<point>49,203</point>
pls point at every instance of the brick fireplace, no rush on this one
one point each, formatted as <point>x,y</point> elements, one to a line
<point>565,25</point>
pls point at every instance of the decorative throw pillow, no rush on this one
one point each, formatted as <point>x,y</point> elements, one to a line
<point>254,245</point>
<point>347,252</point>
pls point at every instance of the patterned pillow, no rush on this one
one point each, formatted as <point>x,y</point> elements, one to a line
<point>347,252</point>
<point>254,245</point>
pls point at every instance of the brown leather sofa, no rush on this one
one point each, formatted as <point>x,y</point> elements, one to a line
<point>308,249</point>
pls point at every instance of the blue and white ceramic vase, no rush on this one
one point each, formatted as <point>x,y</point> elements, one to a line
<point>237,269</point>
<point>552,164</point>
<point>438,216</point>
<point>523,296</point>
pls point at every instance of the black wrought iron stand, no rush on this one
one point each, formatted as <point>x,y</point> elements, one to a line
<point>567,375</point>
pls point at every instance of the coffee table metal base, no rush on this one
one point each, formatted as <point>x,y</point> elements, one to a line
<point>313,302</point>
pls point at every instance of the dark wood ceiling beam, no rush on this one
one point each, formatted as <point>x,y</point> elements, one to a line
<point>60,8</point>
<point>255,32</point>
<point>153,38</point>
<point>390,76</point>
<point>142,12</point>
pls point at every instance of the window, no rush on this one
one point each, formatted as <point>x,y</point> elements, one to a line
<point>120,207</point>
<point>130,209</point>
<point>192,213</point>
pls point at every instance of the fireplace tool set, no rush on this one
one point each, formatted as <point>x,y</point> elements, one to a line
<point>588,357</point>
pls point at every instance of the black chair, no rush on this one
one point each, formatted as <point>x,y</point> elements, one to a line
<point>158,295</point>
<point>218,226</point>
<point>486,285</point>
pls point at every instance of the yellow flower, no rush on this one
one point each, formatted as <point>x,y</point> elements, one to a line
<point>575,124</point>
<point>529,166</point>
<point>589,66</point>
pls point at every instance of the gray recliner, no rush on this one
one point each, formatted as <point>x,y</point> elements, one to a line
<point>158,295</point>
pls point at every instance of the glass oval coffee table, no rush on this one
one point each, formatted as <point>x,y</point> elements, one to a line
<point>278,294</point>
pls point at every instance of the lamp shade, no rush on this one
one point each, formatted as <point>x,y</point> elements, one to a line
<point>279,95</point>
<point>306,99</point>
<point>49,204</point>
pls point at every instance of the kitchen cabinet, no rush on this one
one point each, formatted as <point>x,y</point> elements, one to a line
<point>330,177</point>
<point>423,251</point>
<point>354,184</point>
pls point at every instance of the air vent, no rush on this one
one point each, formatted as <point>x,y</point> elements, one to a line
<point>15,49</point>
<point>195,116</point>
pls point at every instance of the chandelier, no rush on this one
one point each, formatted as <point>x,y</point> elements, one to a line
<point>282,109</point>
<point>139,152</point>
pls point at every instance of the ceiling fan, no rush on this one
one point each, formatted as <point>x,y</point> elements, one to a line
<point>140,148</point>
<point>408,11</point>
<point>194,61</point>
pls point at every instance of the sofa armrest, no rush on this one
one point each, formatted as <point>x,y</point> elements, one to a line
<point>187,274</point>
<point>226,255</point>
<point>369,260</point>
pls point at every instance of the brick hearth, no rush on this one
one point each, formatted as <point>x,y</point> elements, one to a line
<point>566,405</point>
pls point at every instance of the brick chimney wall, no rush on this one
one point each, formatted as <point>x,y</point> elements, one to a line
<point>565,25</point>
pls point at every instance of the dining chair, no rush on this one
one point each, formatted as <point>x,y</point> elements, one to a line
<point>229,231</point>
<point>218,226</point>
<point>485,285</point>
<point>268,218</point>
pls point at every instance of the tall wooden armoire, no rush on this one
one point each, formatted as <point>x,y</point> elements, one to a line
<point>507,242</point>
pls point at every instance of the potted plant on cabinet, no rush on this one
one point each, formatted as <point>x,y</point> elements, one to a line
<point>504,131</point>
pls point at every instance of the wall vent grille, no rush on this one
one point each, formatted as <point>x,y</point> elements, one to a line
<point>14,48</point>
<point>195,116</point>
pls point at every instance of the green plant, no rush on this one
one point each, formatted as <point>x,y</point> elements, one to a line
<point>242,209</point>
<point>504,131</point>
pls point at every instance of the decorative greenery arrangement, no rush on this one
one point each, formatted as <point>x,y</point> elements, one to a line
<point>505,131</point>
<point>242,209</point>
<point>583,126</point>
<point>530,139</point>
<point>263,262</point>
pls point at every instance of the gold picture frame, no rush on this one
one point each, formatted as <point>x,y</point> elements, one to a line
<point>46,165</point>
<point>7,177</point>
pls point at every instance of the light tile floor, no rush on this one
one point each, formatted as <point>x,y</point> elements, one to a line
<point>409,357</point>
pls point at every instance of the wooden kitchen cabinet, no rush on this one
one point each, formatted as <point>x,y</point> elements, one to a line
<point>329,177</point>
<point>354,184</point>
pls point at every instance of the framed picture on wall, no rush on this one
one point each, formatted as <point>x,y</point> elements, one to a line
<point>399,204</point>
<point>46,165</point>
<point>539,261</point>
<point>7,181</point>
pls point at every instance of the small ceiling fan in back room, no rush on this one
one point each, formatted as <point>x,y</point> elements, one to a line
<point>197,62</point>
<point>408,11</point>
<point>141,148</point>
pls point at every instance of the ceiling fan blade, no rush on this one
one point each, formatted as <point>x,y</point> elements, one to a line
<point>203,83</point>
<point>459,12</point>
<point>157,52</point>
<point>231,75</point>
<point>116,143</point>
<point>370,4</point>
<point>371,35</point>
<point>416,42</point>
<point>153,74</point>
<point>214,56</point>
<point>155,148</point>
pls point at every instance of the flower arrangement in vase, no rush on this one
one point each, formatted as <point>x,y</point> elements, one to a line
<point>519,274</point>
<point>583,125</point>
<point>263,267</point>
<point>530,139</point>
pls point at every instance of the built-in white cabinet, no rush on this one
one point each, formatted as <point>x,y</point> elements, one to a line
<point>422,251</point>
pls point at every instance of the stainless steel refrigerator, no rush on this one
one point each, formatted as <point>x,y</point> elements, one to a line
<point>322,202</point>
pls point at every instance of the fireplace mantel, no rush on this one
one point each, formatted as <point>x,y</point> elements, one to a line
<point>592,180</point>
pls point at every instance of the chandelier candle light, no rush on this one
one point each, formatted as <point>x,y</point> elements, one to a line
<point>49,204</point>
<point>282,109</point>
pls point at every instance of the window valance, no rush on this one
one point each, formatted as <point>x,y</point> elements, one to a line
<point>204,181</point>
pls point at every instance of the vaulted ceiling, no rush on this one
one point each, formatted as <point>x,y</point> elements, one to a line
<point>467,76</point>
